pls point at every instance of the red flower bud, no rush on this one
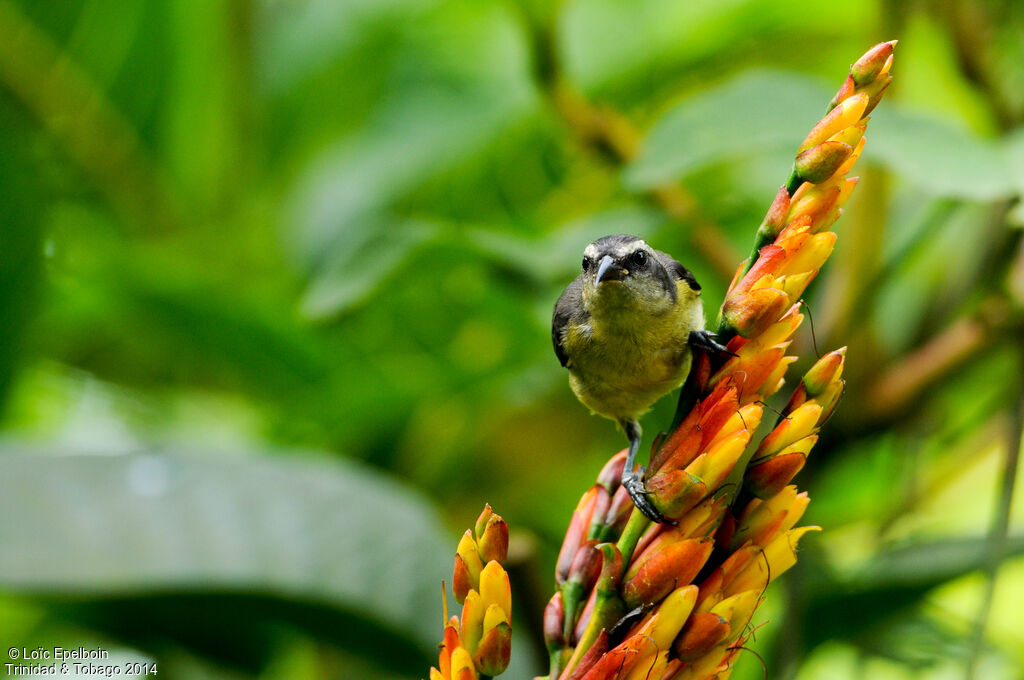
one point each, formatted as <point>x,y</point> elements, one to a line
<point>493,541</point>
<point>769,477</point>
<point>554,623</point>
<point>579,526</point>
<point>869,66</point>
<point>462,581</point>
<point>495,650</point>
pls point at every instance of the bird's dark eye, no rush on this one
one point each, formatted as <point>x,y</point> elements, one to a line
<point>638,258</point>
<point>586,264</point>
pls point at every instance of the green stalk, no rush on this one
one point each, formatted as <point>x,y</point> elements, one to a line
<point>635,528</point>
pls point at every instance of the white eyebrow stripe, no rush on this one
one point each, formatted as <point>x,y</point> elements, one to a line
<point>621,251</point>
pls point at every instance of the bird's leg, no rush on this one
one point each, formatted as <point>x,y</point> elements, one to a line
<point>708,341</point>
<point>634,480</point>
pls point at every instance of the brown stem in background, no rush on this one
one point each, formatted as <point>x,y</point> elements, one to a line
<point>902,382</point>
<point>615,138</point>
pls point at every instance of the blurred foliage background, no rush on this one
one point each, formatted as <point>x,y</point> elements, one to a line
<point>276,280</point>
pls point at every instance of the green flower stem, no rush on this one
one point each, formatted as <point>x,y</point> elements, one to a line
<point>635,528</point>
<point>608,605</point>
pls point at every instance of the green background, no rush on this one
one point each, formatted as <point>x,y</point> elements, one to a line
<point>275,290</point>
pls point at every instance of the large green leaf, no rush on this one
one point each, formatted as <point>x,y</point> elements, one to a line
<point>215,553</point>
<point>759,112</point>
<point>938,157</point>
<point>753,114</point>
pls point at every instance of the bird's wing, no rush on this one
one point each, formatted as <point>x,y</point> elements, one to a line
<point>677,270</point>
<point>570,301</point>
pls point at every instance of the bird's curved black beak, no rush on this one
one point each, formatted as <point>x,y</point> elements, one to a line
<point>608,270</point>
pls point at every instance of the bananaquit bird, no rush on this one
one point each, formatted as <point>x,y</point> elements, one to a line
<point>624,329</point>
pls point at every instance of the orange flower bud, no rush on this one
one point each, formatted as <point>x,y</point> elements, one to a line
<point>702,632</point>
<point>750,369</point>
<point>680,448</point>
<point>654,574</point>
<point>674,492</point>
<point>768,260</point>
<point>749,314</point>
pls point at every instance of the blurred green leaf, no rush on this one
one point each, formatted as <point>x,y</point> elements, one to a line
<point>895,579</point>
<point>448,99</point>
<point>23,190</point>
<point>938,157</point>
<point>669,40</point>
<point>930,563</point>
<point>227,543</point>
<point>752,114</point>
<point>355,272</point>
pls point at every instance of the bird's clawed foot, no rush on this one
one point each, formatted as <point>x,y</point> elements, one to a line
<point>708,341</point>
<point>634,480</point>
<point>634,483</point>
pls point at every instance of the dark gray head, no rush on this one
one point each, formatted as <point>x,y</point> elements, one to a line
<point>623,268</point>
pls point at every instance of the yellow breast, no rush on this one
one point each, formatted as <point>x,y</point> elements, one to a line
<point>624,359</point>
